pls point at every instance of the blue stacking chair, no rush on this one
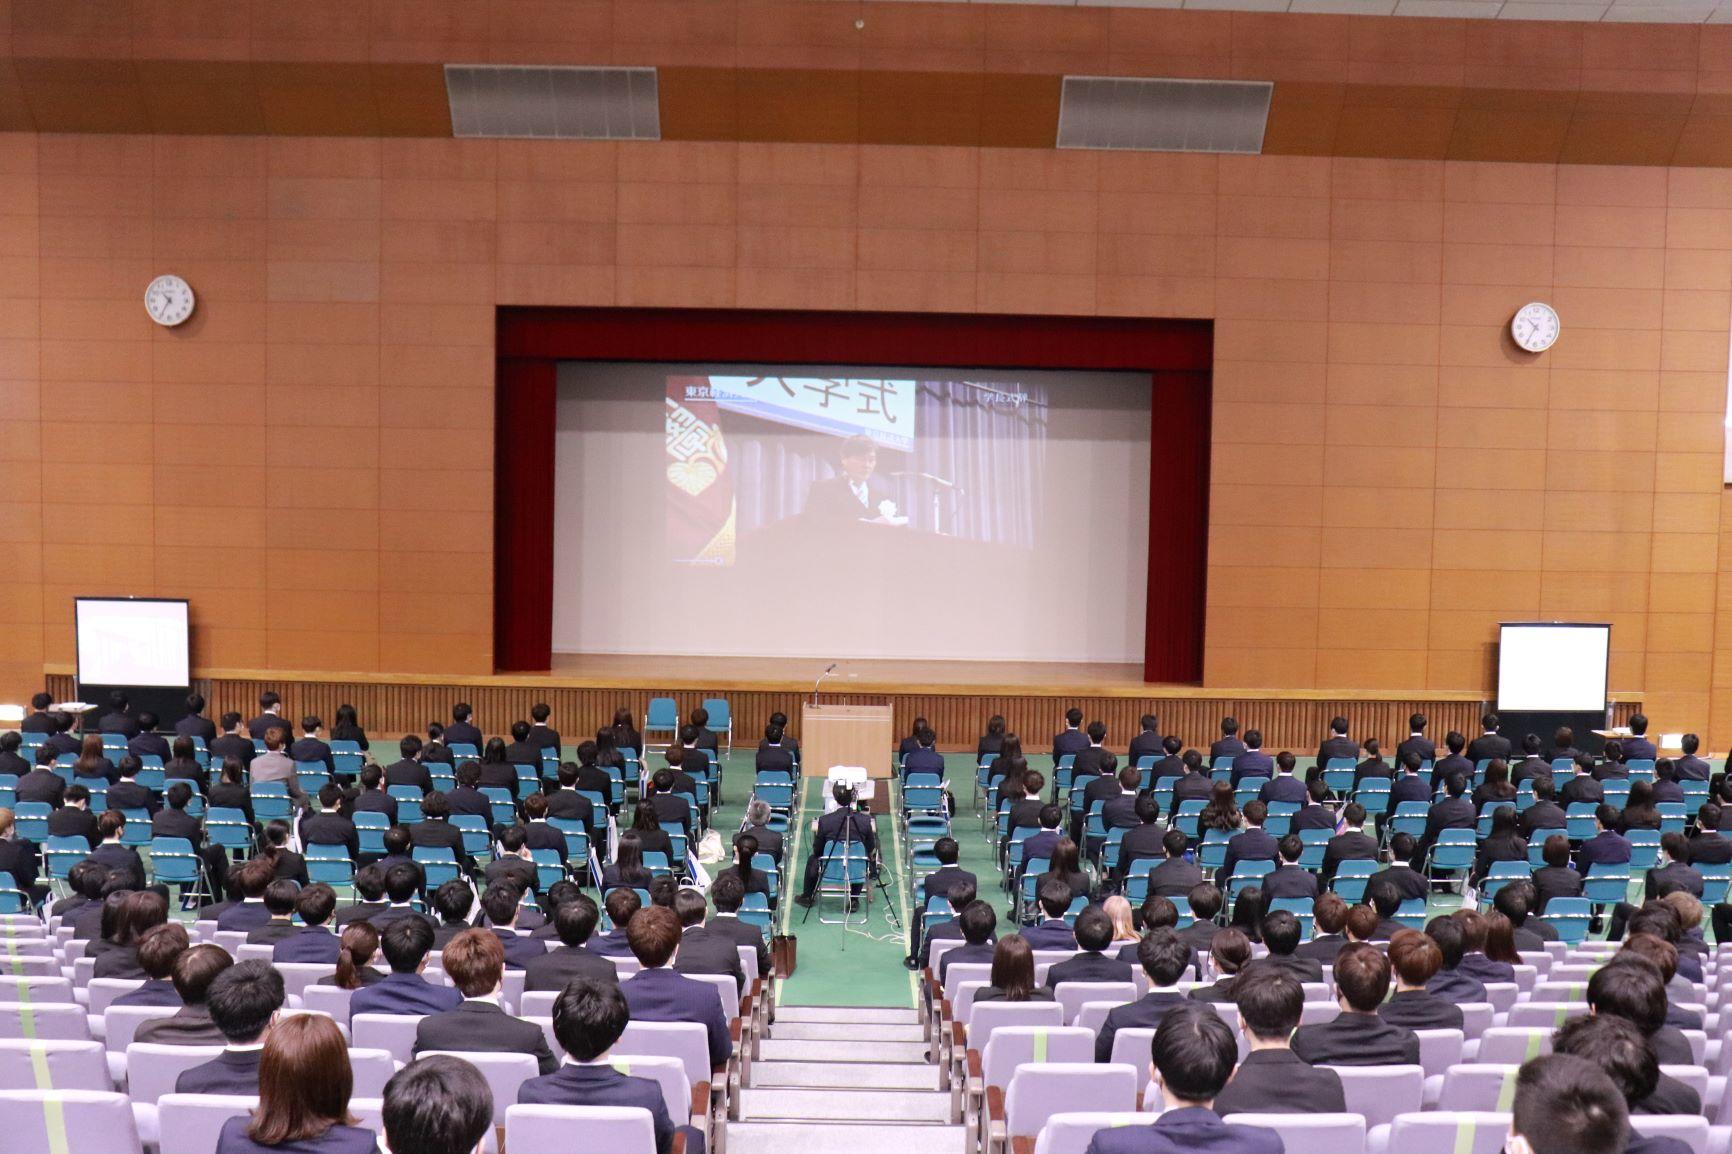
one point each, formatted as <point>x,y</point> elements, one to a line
<point>136,831</point>
<point>1537,845</point>
<point>346,757</point>
<point>195,805</point>
<point>756,910</point>
<point>499,799</point>
<point>13,900</point>
<point>1409,817</point>
<point>153,779</point>
<point>1062,772</point>
<point>270,800</point>
<point>1373,795</point>
<point>312,776</point>
<point>1315,842</point>
<point>1570,917</point>
<point>1645,847</point>
<point>1280,819</point>
<point>1500,874</point>
<point>1212,854</point>
<point>1453,852</point>
<point>549,869</point>
<point>371,825</point>
<point>462,751</point>
<point>1300,908</point>
<point>576,838</point>
<point>438,864</point>
<point>1641,768</point>
<point>228,828</point>
<point>1580,816</point>
<point>31,821</point>
<point>656,862</point>
<point>1351,878</point>
<point>1716,879</point>
<point>721,720</point>
<point>476,838</point>
<point>1606,883</point>
<point>662,717</point>
<point>1248,873</point>
<point>60,854</point>
<point>8,790</point>
<point>174,862</point>
<point>1338,774</point>
<point>330,864</point>
<point>844,869</point>
<point>1186,817</point>
<point>1411,913</point>
<point>1672,817</point>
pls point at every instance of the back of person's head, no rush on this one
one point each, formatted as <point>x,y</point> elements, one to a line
<point>1280,932</point>
<point>370,883</point>
<point>436,806</point>
<point>1663,954</point>
<point>1194,1052</point>
<point>1054,899</point>
<point>1329,913</point>
<point>1230,951</point>
<point>1616,1047</point>
<point>1605,815</point>
<point>110,824</point>
<point>1689,743</point>
<point>1629,987</point>
<point>1514,900</point>
<point>304,1082</point>
<point>1686,907</point>
<point>195,969</point>
<point>653,935</point>
<point>1567,1105</point>
<point>1383,896</point>
<point>401,882</point>
<point>316,903</point>
<point>1473,929</point>
<point>622,906</point>
<point>1414,957</point>
<point>142,911</point>
<point>1290,848</point>
<point>437,1105</point>
<point>1156,912</point>
<point>244,998</point>
<point>728,893</point>
<point>1362,976</point>
<point>1361,922</point>
<point>1094,929</point>
<point>1451,938</point>
<point>1205,901</point>
<point>86,879</point>
<point>1163,956</point>
<point>1271,1002</point>
<point>405,943</point>
<point>280,897</point>
<point>1050,816</point>
<point>576,920</point>
<point>1013,968</point>
<point>1174,842</point>
<point>512,838</point>
<point>519,730</point>
<point>475,962</point>
<point>160,947</point>
<point>977,920</point>
<point>1285,761</point>
<point>1256,812</point>
<point>588,1018</point>
<point>499,902</point>
<point>662,891</point>
<point>1556,851</point>
<point>690,907</point>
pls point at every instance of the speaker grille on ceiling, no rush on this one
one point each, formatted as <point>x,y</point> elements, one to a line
<point>553,103</point>
<point>1163,115</point>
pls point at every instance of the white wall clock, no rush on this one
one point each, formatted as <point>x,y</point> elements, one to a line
<point>1535,326</point>
<point>168,300</point>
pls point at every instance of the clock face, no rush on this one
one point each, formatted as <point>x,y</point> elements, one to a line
<point>1535,327</point>
<point>168,300</point>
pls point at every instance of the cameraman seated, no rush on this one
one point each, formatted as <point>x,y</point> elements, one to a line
<point>842,824</point>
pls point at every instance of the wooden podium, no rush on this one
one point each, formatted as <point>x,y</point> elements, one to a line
<point>848,735</point>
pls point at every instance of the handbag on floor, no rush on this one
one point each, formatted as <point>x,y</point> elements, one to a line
<point>784,953</point>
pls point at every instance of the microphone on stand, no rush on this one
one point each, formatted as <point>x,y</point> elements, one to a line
<point>827,672</point>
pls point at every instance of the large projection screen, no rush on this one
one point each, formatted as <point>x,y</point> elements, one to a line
<point>1552,666</point>
<point>130,642</point>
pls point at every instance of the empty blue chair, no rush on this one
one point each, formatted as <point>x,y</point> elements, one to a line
<point>136,831</point>
<point>13,900</point>
<point>462,751</point>
<point>330,864</point>
<point>439,865</point>
<point>60,854</point>
<point>1500,874</point>
<point>504,808</point>
<point>228,827</point>
<point>8,789</point>
<point>371,825</point>
<point>408,803</point>
<point>1315,842</point>
<point>1716,879</point>
<point>1338,774</point>
<point>1645,846</point>
<point>476,837</point>
<point>270,800</point>
<point>1248,873</point>
<point>1606,883</point>
<point>1409,817</point>
<point>1580,816</point>
<point>346,757</point>
<point>1570,917</point>
<point>1411,913</point>
<point>1351,878</point>
<point>1453,852</point>
<point>662,717</point>
<point>32,820</point>
<point>1280,819</point>
<point>576,838</point>
<point>174,862</point>
<point>549,869</point>
<point>721,720</point>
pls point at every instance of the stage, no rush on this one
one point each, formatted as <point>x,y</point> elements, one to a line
<point>956,698</point>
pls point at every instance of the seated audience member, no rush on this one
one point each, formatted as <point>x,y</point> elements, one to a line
<point>1692,947</point>
<point>328,826</point>
<point>230,791</point>
<point>1358,1037</point>
<point>1488,946</point>
<point>369,895</point>
<point>140,912</point>
<point>308,746</point>
<point>438,1105</point>
<point>475,962</point>
<point>1094,935</point>
<point>274,765</point>
<point>1251,844</point>
<point>752,879</point>
<point>1176,876</point>
<point>1164,958</point>
<point>453,902</point>
<point>1193,1052</point>
<point>159,949</point>
<point>1272,1079</point>
<point>244,1000</point>
<point>1146,840</point>
<point>500,903</point>
<point>346,726</point>
<point>280,898</point>
<point>402,881</point>
<point>111,854</point>
<point>313,940</point>
<point>1280,932</point>
<point>1290,879</point>
<point>961,897</point>
<point>656,993</point>
<point>627,868</point>
<point>1382,897</point>
<point>85,878</point>
<point>1514,900</point>
<point>360,941</point>
<point>1567,1105</point>
<point>977,923</point>
<point>1118,911</point>
<point>1053,932</point>
<point>126,793</point>
<point>1618,1047</point>
<point>304,1081</point>
<point>193,972</point>
<point>1607,846</point>
<point>1630,987</point>
<point>588,1018</point>
<point>1544,813</point>
<point>757,824</point>
<point>1664,955</point>
<point>409,769</point>
<point>1205,901</point>
<point>1328,920</point>
<point>727,895</point>
<point>621,906</point>
<point>371,797</point>
<point>1504,843</point>
<point>1012,978</point>
<point>406,943</point>
<point>1315,813</point>
<point>1230,954</point>
<point>575,920</point>
<point>465,799</point>
<point>285,862</point>
<point>1449,982</point>
<point>434,830</point>
<point>1407,881</point>
<point>1555,879</point>
<point>110,918</point>
<point>1415,959</point>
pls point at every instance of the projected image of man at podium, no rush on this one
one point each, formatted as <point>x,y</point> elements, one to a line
<point>854,494</point>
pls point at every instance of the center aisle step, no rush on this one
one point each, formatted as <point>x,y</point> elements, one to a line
<point>889,1101</point>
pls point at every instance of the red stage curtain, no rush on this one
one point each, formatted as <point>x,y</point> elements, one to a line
<point>531,341</point>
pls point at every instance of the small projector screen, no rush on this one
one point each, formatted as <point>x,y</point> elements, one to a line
<point>1550,666</point>
<point>128,642</point>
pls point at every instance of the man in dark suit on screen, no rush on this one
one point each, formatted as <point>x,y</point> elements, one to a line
<point>852,495</point>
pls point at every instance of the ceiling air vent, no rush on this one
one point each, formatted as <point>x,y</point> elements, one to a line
<point>553,103</point>
<point>1163,115</point>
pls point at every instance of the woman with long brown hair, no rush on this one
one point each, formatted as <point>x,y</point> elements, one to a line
<point>1222,812</point>
<point>1229,954</point>
<point>92,764</point>
<point>1013,974</point>
<point>360,942</point>
<point>305,1081</point>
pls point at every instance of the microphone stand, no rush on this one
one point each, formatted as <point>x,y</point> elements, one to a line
<point>828,672</point>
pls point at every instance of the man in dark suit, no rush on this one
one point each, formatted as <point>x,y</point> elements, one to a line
<point>1544,813</point>
<point>1490,744</point>
<point>1148,741</point>
<point>727,894</point>
<point>1707,845</point>
<point>328,826</point>
<point>924,757</point>
<point>1637,747</point>
<point>1229,744</point>
<point>1290,879</point>
<point>1280,930</point>
<point>408,769</point>
<point>475,962</point>
<point>1373,768</point>
<point>1272,1079</point>
<point>574,921</point>
<point>841,826</point>
<point>1555,879</point>
<point>42,783</point>
<point>1451,982</point>
<point>1169,763</point>
<point>1145,840</point>
<point>1351,844</point>
<point>406,943</point>
<point>588,1018</point>
<point>232,743</point>
<point>63,740</point>
<point>773,755</point>
<point>1613,767</point>
<point>1455,811</point>
<point>172,820</point>
<point>1666,787</point>
<point>1164,958</point>
<point>243,1000</point>
<point>1090,759</point>
<point>433,831</point>
<point>1071,739</point>
<point>1176,876</point>
<point>1284,786</point>
<point>1453,761</point>
<point>280,898</point>
<point>541,734</point>
<point>1094,934</point>
<point>1328,919</point>
<point>309,747</point>
<point>658,994</point>
<point>192,974</point>
<point>948,875</point>
<point>1250,844</point>
<point>1674,872</point>
<point>1253,762</point>
<point>74,819</point>
<point>369,897</point>
<point>1532,764</point>
<point>465,798</point>
<point>1053,932</point>
<point>853,494</point>
<point>127,793</point>
<point>39,720</point>
<point>1407,882</point>
<point>1607,845</point>
<point>1358,1037</point>
<point>501,903</point>
<point>1415,960</point>
<point>1336,745</point>
<point>975,923</point>
<point>270,717</point>
<point>11,761</point>
<point>1585,786</point>
<point>371,797</point>
<point>194,723</point>
<point>313,940</point>
<point>148,742</point>
<point>1690,767</point>
<point>119,717</point>
<point>1205,901</point>
<point>700,950</point>
<point>1196,783</point>
<point>253,877</point>
<point>1515,901</point>
<point>1116,791</point>
<point>462,730</point>
<point>1416,741</point>
<point>521,750</point>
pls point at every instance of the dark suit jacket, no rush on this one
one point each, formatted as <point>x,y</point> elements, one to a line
<point>154,992</point>
<point>1252,763</point>
<point>1408,787</point>
<point>1333,747</point>
<point>1068,741</point>
<point>1420,1010</point>
<point>331,829</point>
<point>1290,881</point>
<point>1143,1014</point>
<point>1281,1082</point>
<point>243,917</point>
<point>1351,845</point>
<point>484,1027</point>
<point>177,823</point>
<point>149,745</point>
<point>1052,934</point>
<point>231,1072</point>
<point>742,933</point>
<point>941,881</point>
<point>42,785</point>
<point>404,994</point>
<point>704,952</point>
<point>407,772</point>
<point>966,953</point>
<point>1455,986</point>
<point>38,722</point>
<point>308,944</point>
<point>1555,882</point>
<point>1225,747</point>
<point>464,733</point>
<point>1581,788</point>
<point>1193,787</point>
<point>1691,768</point>
<point>1284,787</point>
<point>191,1026</point>
<point>1190,1130</point>
<point>272,932</point>
<point>1638,749</point>
<point>18,858</point>
<point>265,722</point>
<point>312,749</point>
<point>1145,744</point>
<point>114,856</point>
<point>1451,763</point>
<point>1144,841</point>
<point>1426,748</point>
<point>118,723</point>
<point>601,1085</point>
<point>1355,1039</point>
<point>1251,845</point>
<point>1709,848</point>
<point>1450,813</point>
<point>1488,745</point>
<point>555,968</point>
<point>1675,876</point>
<point>196,725</point>
<point>1313,817</point>
<point>1541,815</point>
<point>1603,847</point>
<point>1300,968</point>
<point>338,1139</point>
<point>1088,966</point>
<point>1322,948</point>
<point>436,834</point>
<point>376,801</point>
<point>1528,767</point>
<point>1670,1096</point>
<point>230,745</point>
<point>661,995</point>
